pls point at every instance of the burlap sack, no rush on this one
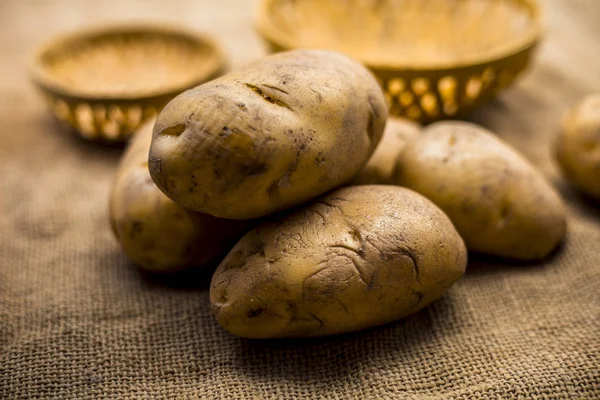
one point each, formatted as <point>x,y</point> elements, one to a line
<point>78,322</point>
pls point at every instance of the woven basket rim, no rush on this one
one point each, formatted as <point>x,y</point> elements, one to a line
<point>39,75</point>
<point>268,30</point>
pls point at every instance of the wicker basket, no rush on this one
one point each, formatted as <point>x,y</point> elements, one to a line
<point>435,59</point>
<point>107,81</point>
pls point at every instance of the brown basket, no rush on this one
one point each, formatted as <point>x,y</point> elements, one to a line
<point>107,81</point>
<point>435,59</point>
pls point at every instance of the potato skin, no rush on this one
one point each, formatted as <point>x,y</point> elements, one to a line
<point>379,169</point>
<point>500,204</point>
<point>157,234</point>
<point>577,148</point>
<point>358,257</point>
<point>277,133</point>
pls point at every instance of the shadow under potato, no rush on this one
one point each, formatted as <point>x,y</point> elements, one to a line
<point>482,264</point>
<point>192,279</point>
<point>589,205</point>
<point>326,359</point>
<point>585,204</point>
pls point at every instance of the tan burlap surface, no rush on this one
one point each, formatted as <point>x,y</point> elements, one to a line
<point>78,322</point>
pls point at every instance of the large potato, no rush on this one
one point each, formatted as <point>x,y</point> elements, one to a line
<point>156,233</point>
<point>380,167</point>
<point>277,133</point>
<point>500,204</point>
<point>358,257</point>
<point>578,146</point>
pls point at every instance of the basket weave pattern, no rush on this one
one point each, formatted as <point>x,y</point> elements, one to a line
<point>433,95</point>
<point>101,120</point>
<point>434,59</point>
<point>105,83</point>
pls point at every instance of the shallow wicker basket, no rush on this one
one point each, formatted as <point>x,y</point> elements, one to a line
<point>435,59</point>
<point>107,81</point>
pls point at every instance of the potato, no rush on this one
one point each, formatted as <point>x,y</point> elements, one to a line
<point>156,233</point>
<point>275,134</point>
<point>358,257</point>
<point>500,204</point>
<point>380,167</point>
<point>577,148</point>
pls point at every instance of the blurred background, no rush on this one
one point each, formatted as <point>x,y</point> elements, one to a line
<point>565,55</point>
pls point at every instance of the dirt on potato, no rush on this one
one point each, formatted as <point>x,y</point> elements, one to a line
<point>358,257</point>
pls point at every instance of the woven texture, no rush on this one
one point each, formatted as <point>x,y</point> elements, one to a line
<point>77,321</point>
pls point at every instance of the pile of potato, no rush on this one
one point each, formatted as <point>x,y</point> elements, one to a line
<point>322,222</point>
